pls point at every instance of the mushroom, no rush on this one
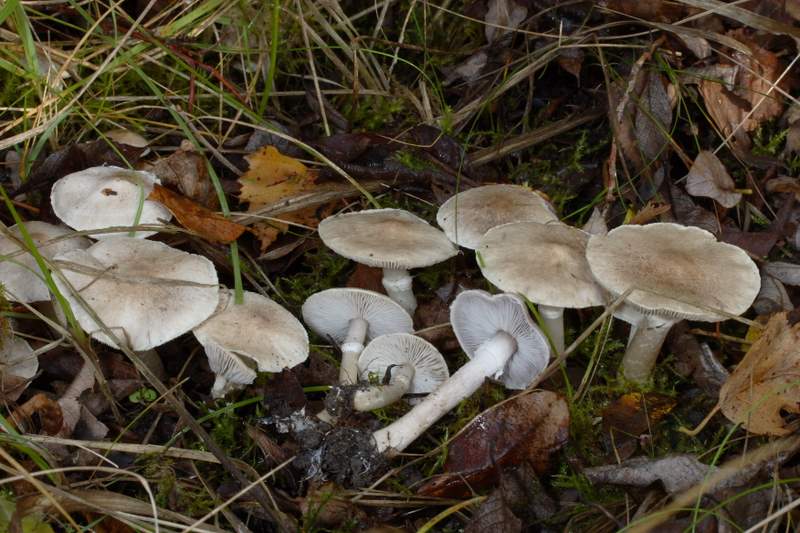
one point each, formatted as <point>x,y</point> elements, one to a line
<point>107,197</point>
<point>502,342</point>
<point>19,272</point>
<point>676,272</point>
<point>351,316</point>
<point>467,216</point>
<point>145,292</point>
<point>413,365</point>
<point>545,263</point>
<point>256,333</point>
<point>392,239</point>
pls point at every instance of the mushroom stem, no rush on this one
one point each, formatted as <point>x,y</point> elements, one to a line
<point>398,286</point>
<point>644,345</point>
<point>489,360</point>
<point>220,387</point>
<point>377,396</point>
<point>352,347</point>
<point>553,318</point>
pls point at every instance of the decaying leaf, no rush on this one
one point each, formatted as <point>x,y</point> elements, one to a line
<point>196,218</point>
<point>272,177</point>
<point>505,13</point>
<point>676,472</point>
<point>494,514</point>
<point>772,297</point>
<point>649,212</point>
<point>329,506</point>
<point>653,117</point>
<point>786,184</point>
<point>766,381</point>
<point>788,273</point>
<point>708,177</point>
<point>186,172</point>
<point>48,411</point>
<point>631,416</point>
<point>527,428</point>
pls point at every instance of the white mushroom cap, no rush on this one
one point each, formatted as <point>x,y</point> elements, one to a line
<point>546,263</point>
<point>105,197</point>
<point>258,329</point>
<point>386,238</point>
<point>430,368</point>
<point>675,267</point>
<point>467,216</point>
<point>476,316</point>
<point>19,273</point>
<point>17,359</point>
<point>328,313</point>
<point>144,291</point>
<point>126,136</point>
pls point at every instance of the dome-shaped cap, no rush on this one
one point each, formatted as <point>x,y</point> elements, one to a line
<point>328,313</point>
<point>674,266</point>
<point>386,238</point>
<point>476,316</point>
<point>430,368</point>
<point>546,263</point>
<point>258,329</point>
<point>106,197</point>
<point>20,274</point>
<point>467,216</point>
<point>126,136</point>
<point>145,291</point>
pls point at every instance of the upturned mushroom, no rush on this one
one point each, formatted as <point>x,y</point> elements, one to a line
<point>350,317</point>
<point>468,215</point>
<point>675,272</point>
<point>19,272</point>
<point>107,197</point>
<point>545,263</point>
<point>411,364</point>
<point>392,239</point>
<point>257,334</point>
<point>145,292</point>
<point>503,344</point>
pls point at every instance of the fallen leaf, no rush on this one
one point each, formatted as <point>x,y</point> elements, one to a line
<point>571,60</point>
<point>527,428</point>
<point>506,13</point>
<point>785,184</point>
<point>765,382</point>
<point>494,514</point>
<point>469,70</point>
<point>631,416</point>
<point>48,410</point>
<point>365,277</point>
<point>708,177</point>
<point>772,297</point>
<point>329,506</point>
<point>649,212</point>
<point>676,472</point>
<point>186,172</point>
<point>198,219</point>
<point>696,360</point>
<point>652,118</point>
<point>757,243</point>
<point>727,111</point>
<point>788,273</point>
<point>272,177</point>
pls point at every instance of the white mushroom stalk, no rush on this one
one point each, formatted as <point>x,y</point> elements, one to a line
<point>411,364</point>
<point>676,272</point>
<point>350,317</point>
<point>489,360</point>
<point>503,343</point>
<point>553,319</point>
<point>392,239</point>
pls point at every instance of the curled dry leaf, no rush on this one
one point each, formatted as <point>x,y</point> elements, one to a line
<point>785,184</point>
<point>677,472</point>
<point>765,382</point>
<point>649,212</point>
<point>631,416</point>
<point>271,178</point>
<point>198,219</point>
<point>186,171</point>
<point>527,428</point>
<point>708,177</point>
<point>48,410</point>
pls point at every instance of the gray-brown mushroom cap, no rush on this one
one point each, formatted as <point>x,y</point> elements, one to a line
<point>145,292</point>
<point>106,197</point>
<point>671,268</point>
<point>19,272</point>
<point>386,238</point>
<point>258,329</point>
<point>467,216</point>
<point>430,368</point>
<point>546,263</point>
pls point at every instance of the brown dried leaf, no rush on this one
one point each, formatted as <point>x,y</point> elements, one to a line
<point>273,176</point>
<point>708,177</point>
<point>329,506</point>
<point>631,416</point>
<point>49,414</point>
<point>649,212</point>
<point>196,218</point>
<point>727,110</point>
<point>766,381</point>
<point>653,117</point>
<point>186,171</point>
<point>527,428</point>
<point>494,514</point>
<point>785,184</point>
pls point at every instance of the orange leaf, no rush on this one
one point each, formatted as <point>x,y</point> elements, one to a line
<point>271,178</point>
<point>196,218</point>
